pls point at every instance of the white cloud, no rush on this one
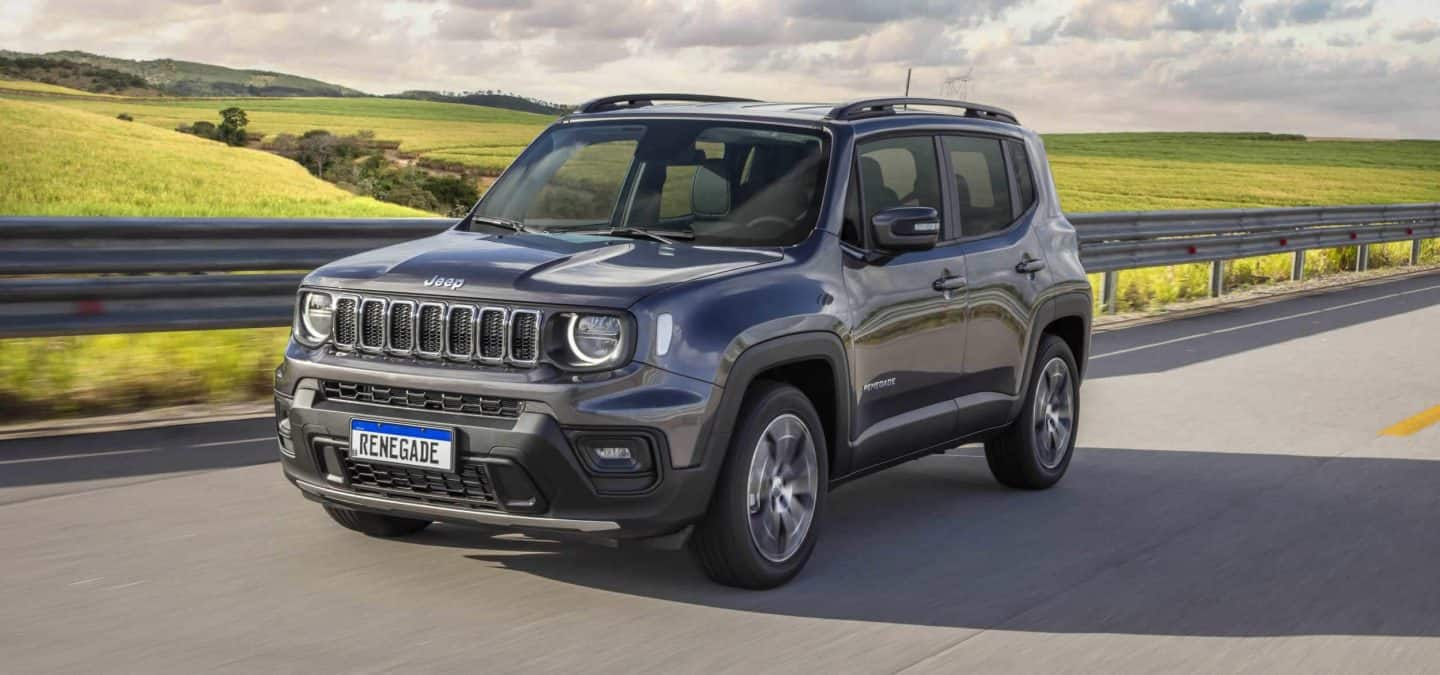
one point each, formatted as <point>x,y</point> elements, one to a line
<point>1421,32</point>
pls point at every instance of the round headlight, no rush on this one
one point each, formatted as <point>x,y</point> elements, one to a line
<point>595,339</point>
<point>317,316</point>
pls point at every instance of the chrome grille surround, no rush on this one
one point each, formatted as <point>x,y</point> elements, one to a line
<point>524,336</point>
<point>400,327</point>
<point>460,333</point>
<point>463,332</point>
<point>430,330</point>
<point>347,321</point>
<point>492,335</point>
<point>373,324</point>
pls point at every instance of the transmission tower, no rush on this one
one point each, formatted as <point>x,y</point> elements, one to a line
<point>958,86</point>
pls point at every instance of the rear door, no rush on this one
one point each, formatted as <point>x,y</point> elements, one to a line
<point>993,188</point>
<point>908,339</point>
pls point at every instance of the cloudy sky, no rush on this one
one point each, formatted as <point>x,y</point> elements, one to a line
<point>1321,67</point>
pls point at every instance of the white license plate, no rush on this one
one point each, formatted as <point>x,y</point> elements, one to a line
<point>403,444</point>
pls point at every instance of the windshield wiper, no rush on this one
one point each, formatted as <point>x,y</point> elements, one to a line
<point>507,223</point>
<point>662,236</point>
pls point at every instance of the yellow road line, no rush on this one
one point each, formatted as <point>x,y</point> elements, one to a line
<point>1413,424</point>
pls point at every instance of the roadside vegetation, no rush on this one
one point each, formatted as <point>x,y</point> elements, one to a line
<point>70,153</point>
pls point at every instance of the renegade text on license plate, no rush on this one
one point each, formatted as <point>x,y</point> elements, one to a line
<point>403,444</point>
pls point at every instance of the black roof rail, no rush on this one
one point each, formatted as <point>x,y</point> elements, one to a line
<point>620,101</point>
<point>874,107</point>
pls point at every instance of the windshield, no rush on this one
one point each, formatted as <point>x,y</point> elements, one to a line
<point>705,182</point>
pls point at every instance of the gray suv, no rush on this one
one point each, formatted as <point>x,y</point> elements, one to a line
<point>682,319</point>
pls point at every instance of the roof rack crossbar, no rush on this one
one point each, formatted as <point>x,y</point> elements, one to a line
<point>620,101</point>
<point>872,107</point>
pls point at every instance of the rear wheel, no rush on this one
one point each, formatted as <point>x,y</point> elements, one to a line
<point>1035,451</point>
<point>374,524</point>
<point>763,521</point>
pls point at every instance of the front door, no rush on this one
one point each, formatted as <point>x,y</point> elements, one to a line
<point>907,346</point>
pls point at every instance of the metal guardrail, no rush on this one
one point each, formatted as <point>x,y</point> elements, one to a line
<point>1110,242</point>
<point>72,276</point>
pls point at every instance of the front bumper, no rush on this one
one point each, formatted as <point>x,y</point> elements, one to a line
<point>526,459</point>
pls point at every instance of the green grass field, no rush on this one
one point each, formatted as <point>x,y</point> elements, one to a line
<point>68,155</point>
<point>474,136</point>
<point>58,161</point>
<point>26,86</point>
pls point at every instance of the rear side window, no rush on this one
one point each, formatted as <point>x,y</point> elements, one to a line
<point>1024,178</point>
<point>899,172</point>
<point>982,188</point>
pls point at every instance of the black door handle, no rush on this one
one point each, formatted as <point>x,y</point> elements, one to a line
<point>949,284</point>
<point>1030,265</point>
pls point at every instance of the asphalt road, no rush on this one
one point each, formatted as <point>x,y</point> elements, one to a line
<point>1233,507</point>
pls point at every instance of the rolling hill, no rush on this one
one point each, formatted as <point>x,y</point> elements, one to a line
<point>189,78</point>
<point>60,161</point>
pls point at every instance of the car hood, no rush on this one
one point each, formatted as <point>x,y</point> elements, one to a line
<point>533,268</point>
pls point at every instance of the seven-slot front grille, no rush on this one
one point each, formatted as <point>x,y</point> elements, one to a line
<point>435,330</point>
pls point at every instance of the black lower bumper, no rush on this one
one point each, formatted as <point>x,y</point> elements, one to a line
<point>520,472</point>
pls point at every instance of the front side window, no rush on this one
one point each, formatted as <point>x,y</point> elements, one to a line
<point>899,172</point>
<point>982,188</point>
<point>703,182</point>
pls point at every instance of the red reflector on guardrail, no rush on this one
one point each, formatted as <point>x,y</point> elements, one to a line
<point>1284,242</point>
<point>1192,250</point>
<point>89,307</point>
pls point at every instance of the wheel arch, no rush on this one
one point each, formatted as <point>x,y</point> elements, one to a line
<point>1066,316</point>
<point>815,363</point>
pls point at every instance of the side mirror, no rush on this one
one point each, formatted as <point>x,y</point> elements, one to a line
<point>906,228</point>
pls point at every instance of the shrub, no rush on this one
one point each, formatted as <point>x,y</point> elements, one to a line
<point>125,116</point>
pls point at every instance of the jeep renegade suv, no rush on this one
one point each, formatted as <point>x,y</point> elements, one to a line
<point>684,318</point>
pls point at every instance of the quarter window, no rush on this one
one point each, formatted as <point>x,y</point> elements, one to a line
<point>982,189</point>
<point>899,172</point>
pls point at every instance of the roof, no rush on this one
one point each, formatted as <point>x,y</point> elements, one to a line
<point>699,105</point>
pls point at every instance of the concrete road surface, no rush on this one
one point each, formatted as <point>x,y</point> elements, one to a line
<point>1233,507</point>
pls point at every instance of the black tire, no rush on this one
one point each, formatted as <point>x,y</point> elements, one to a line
<point>722,542</point>
<point>374,524</point>
<point>1015,456</point>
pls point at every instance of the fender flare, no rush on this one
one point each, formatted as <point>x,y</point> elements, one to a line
<point>1069,304</point>
<point>763,356</point>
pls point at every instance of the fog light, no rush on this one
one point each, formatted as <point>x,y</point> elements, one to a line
<point>616,454</point>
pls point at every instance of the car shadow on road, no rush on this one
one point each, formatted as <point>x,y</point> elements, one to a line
<point>1249,328</point>
<point>1132,542</point>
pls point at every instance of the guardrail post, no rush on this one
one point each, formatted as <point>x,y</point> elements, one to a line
<point>1217,278</point>
<point>1297,266</point>
<point>1415,251</point>
<point>1109,283</point>
<point>1362,260</point>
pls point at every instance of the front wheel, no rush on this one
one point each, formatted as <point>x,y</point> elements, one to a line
<point>764,519</point>
<point>1035,451</point>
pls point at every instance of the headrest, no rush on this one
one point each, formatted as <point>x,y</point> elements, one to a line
<point>710,191</point>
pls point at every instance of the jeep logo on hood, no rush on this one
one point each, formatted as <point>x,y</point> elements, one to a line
<point>452,283</point>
